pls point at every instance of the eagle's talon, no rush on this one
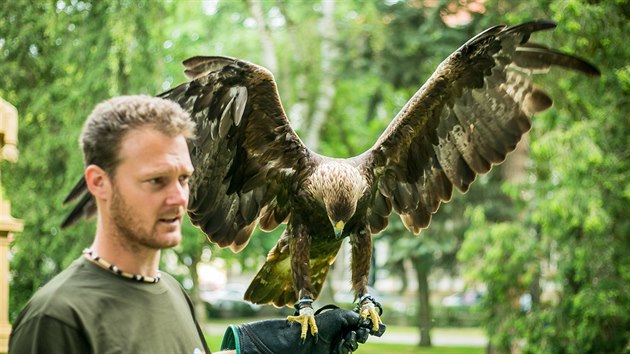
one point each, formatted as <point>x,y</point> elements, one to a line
<point>305,318</point>
<point>367,309</point>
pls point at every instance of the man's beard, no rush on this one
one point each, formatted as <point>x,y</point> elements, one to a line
<point>129,226</point>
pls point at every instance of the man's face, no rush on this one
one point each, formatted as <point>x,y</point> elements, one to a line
<point>150,189</point>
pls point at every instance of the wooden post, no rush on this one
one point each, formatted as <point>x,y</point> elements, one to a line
<point>8,224</point>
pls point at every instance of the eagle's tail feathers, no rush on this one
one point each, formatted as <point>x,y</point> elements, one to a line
<point>273,284</point>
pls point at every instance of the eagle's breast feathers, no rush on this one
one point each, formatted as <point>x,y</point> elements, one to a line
<point>337,186</point>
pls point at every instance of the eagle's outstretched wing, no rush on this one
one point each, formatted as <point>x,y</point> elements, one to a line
<point>245,153</point>
<point>467,117</point>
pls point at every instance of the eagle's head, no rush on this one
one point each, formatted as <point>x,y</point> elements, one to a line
<point>338,186</point>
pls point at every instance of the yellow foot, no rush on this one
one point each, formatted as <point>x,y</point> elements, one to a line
<point>305,318</point>
<point>368,309</point>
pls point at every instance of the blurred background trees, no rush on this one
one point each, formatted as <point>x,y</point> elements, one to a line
<point>545,235</point>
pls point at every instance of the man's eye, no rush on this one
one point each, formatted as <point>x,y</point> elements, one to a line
<point>184,180</point>
<point>156,181</point>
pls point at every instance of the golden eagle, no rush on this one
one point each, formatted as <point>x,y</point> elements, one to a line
<point>252,169</point>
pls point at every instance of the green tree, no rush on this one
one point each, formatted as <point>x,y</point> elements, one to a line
<point>60,59</point>
<point>569,251</point>
<point>559,235</point>
<point>398,46</point>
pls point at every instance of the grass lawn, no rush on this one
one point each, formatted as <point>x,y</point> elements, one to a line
<point>214,340</point>
<point>383,348</point>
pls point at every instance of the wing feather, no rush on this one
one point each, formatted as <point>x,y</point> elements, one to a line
<point>467,117</point>
<point>86,207</point>
<point>245,153</point>
<point>245,139</point>
<point>378,215</point>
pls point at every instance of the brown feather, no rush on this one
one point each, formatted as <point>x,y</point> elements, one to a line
<point>468,116</point>
<point>251,167</point>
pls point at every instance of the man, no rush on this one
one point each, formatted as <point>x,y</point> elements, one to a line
<point>113,299</point>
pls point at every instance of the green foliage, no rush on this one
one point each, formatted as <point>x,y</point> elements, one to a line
<point>568,248</point>
<point>59,60</point>
<point>457,316</point>
<point>560,236</point>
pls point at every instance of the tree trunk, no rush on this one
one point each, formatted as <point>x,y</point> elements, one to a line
<point>298,111</point>
<point>200,307</point>
<point>489,348</point>
<point>269,49</point>
<point>423,266</point>
<point>514,169</point>
<point>327,90</point>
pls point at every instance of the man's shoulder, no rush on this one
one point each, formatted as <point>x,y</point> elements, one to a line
<point>54,299</point>
<point>169,280</point>
<point>58,286</point>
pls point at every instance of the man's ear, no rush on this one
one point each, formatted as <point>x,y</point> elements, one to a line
<point>98,182</point>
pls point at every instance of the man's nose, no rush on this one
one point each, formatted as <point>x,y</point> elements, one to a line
<point>178,195</point>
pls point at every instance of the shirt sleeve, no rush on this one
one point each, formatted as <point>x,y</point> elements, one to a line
<point>231,340</point>
<point>45,334</point>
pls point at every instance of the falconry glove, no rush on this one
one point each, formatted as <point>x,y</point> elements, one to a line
<point>340,332</point>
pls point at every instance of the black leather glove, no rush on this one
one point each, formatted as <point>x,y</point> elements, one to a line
<point>340,332</point>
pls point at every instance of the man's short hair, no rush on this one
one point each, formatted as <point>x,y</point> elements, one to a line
<point>112,119</point>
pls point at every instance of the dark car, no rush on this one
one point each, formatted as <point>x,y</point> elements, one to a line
<point>228,302</point>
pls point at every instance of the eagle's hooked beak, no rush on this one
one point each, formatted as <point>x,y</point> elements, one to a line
<point>339,228</point>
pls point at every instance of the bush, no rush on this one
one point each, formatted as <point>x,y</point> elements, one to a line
<point>457,316</point>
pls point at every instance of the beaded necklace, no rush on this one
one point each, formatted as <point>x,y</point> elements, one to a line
<point>89,254</point>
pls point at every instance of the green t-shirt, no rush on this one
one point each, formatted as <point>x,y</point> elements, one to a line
<point>87,309</point>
